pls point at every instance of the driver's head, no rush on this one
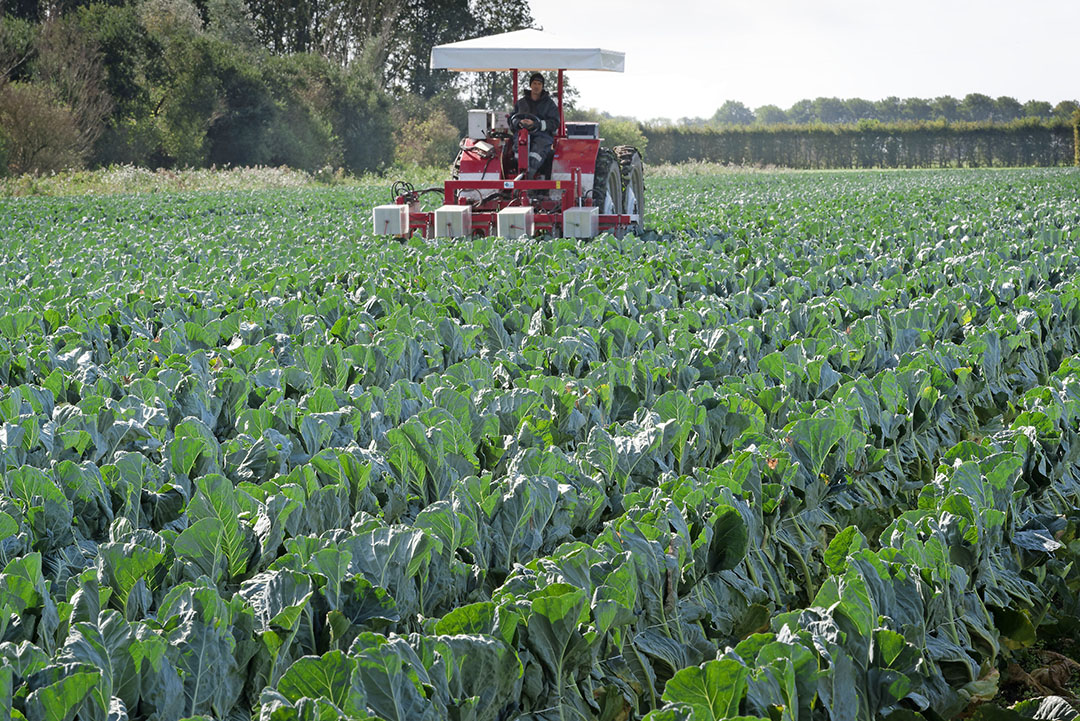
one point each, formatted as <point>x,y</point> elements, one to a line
<point>536,83</point>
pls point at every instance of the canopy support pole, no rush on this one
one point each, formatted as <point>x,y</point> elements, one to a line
<point>514,72</point>
<point>562,120</point>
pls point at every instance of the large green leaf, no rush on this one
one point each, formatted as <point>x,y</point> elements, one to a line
<point>111,646</point>
<point>200,547</point>
<point>729,540</point>
<point>553,634</point>
<point>813,438</point>
<point>714,689</point>
<point>389,674</point>
<point>123,565</point>
<point>216,499</point>
<point>60,700</point>
<point>331,676</point>
<point>203,647</point>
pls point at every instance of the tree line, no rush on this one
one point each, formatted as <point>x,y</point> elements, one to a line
<point>871,144</point>
<point>316,84</point>
<point>175,83</point>
<point>972,108</point>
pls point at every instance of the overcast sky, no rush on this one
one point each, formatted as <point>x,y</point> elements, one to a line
<point>685,57</point>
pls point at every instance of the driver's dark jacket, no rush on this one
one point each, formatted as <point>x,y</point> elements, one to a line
<point>544,108</point>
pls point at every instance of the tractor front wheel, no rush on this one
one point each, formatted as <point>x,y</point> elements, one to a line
<point>633,185</point>
<point>607,183</point>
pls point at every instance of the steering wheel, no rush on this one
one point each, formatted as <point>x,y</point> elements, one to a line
<point>516,118</point>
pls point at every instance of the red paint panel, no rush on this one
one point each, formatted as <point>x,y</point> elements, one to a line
<point>471,162</point>
<point>573,153</point>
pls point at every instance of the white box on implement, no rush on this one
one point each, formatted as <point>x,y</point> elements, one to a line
<point>391,219</point>
<point>453,221</point>
<point>581,222</point>
<point>515,222</point>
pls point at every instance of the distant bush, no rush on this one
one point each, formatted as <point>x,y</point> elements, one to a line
<point>301,134</point>
<point>239,128</point>
<point>430,142</point>
<point>69,63</point>
<point>613,131</point>
<point>361,120</point>
<point>42,133</point>
<point>623,132</point>
<point>1076,137</point>
<point>4,141</point>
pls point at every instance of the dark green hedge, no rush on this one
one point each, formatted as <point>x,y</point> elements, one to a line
<point>869,145</point>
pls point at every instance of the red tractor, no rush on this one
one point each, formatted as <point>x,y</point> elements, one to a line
<point>580,190</point>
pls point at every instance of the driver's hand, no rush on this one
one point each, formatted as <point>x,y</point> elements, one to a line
<point>527,122</point>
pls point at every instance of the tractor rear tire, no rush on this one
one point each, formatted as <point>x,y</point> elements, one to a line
<point>607,183</point>
<point>632,171</point>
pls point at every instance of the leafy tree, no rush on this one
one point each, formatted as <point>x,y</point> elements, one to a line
<point>732,112</point>
<point>361,119</point>
<point>16,47</point>
<point>946,108</point>
<point>801,112</point>
<point>977,107</point>
<point>301,134</point>
<point>1038,109</point>
<point>130,134</point>
<point>861,109</point>
<point>1007,109</point>
<point>231,21</point>
<point>423,24</point>
<point>1065,109</point>
<point>770,115</point>
<point>890,109</point>
<point>185,92</point>
<point>918,110</point>
<point>831,111</point>
<point>237,132</point>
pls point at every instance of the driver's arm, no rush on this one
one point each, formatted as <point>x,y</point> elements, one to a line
<point>549,116</point>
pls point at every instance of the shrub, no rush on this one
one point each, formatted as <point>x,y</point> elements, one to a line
<point>131,134</point>
<point>237,133</point>
<point>623,132</point>
<point>4,142</point>
<point>361,121</point>
<point>1076,137</point>
<point>71,64</point>
<point>432,141</point>
<point>301,134</point>
<point>43,134</point>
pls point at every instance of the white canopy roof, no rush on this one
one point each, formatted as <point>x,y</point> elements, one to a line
<point>525,50</point>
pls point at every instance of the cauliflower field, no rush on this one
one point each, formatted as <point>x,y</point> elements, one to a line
<point>810,449</point>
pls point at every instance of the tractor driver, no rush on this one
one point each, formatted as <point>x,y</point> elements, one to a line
<point>538,102</point>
